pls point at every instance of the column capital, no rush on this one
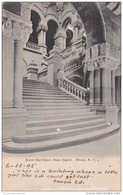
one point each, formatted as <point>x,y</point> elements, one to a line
<point>16,30</point>
<point>26,10</point>
<point>89,66</point>
<point>7,26</point>
<point>102,62</point>
<point>60,34</point>
<point>21,31</point>
<point>77,24</point>
<point>42,27</point>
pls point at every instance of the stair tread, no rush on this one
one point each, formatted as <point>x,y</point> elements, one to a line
<point>60,143</point>
<point>44,115</point>
<point>37,135</point>
<point>66,119</point>
<point>64,125</point>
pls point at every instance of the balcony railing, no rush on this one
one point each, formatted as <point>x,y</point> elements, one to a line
<point>33,46</point>
<point>72,88</point>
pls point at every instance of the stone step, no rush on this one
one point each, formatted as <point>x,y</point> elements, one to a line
<point>44,92</point>
<point>42,86</point>
<point>52,101</point>
<point>42,104</point>
<point>57,134</point>
<point>53,128</point>
<point>55,108</point>
<point>48,97</point>
<point>60,121</point>
<point>12,147</point>
<point>56,113</point>
<point>31,88</point>
<point>53,116</point>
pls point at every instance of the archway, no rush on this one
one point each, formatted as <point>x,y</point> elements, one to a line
<point>69,38</point>
<point>52,29</point>
<point>35,18</point>
<point>66,22</point>
<point>93,22</point>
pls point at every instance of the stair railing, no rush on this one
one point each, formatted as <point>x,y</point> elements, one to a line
<point>72,88</point>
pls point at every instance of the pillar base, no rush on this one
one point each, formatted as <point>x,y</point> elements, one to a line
<point>14,122</point>
<point>112,114</point>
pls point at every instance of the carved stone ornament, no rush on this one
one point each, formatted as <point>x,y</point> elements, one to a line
<point>17,30</point>
<point>77,24</point>
<point>25,10</point>
<point>26,32</point>
<point>21,31</point>
<point>42,27</point>
<point>7,27</point>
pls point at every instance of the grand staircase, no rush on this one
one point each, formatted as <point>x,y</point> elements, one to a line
<point>56,120</point>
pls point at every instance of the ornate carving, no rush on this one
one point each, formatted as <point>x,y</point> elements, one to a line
<point>27,30</point>
<point>7,27</point>
<point>77,24</point>
<point>118,71</point>
<point>21,31</point>
<point>60,34</point>
<point>25,10</point>
<point>17,30</point>
<point>42,27</point>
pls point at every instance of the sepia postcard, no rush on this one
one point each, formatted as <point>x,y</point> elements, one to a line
<point>61,96</point>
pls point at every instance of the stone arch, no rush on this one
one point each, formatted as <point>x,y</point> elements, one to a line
<point>36,19</point>
<point>69,37</point>
<point>35,7</point>
<point>74,75</point>
<point>52,29</point>
<point>68,14</point>
<point>67,21</point>
<point>76,79</point>
<point>92,19</point>
<point>53,17</point>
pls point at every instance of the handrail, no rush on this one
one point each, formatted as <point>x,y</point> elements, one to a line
<point>72,88</point>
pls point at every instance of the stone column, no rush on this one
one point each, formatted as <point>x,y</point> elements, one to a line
<point>40,38</point>
<point>20,35</point>
<point>97,86</point>
<point>92,86</point>
<point>7,63</point>
<point>60,40</point>
<point>18,82</point>
<point>102,79</point>
<point>42,34</point>
<point>108,92</point>
<point>16,32</point>
<point>90,68</point>
<point>113,86</point>
<point>77,25</point>
<point>44,37</point>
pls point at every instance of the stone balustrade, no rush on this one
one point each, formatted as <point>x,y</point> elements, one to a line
<point>33,46</point>
<point>71,65</point>
<point>72,88</point>
<point>42,74</point>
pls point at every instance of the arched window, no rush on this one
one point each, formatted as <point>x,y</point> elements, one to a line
<point>35,18</point>
<point>69,38</point>
<point>52,29</point>
<point>90,53</point>
<point>98,50</point>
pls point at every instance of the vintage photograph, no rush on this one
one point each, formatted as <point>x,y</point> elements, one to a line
<point>61,96</point>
